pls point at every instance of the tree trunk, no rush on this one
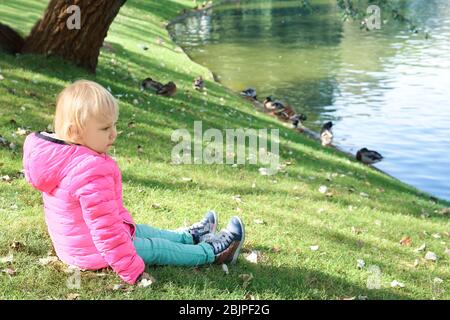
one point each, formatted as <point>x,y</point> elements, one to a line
<point>10,41</point>
<point>51,35</point>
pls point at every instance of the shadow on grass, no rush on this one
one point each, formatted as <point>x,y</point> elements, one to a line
<point>284,283</point>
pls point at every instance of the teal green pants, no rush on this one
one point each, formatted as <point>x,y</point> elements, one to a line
<point>162,247</point>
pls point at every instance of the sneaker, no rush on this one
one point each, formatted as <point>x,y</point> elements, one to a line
<point>228,242</point>
<point>203,230</point>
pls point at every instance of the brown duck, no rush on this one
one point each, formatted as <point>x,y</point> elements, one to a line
<point>167,90</point>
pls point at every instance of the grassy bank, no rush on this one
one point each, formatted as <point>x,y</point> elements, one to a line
<point>363,216</point>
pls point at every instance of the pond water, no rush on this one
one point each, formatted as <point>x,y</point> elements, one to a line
<point>387,89</point>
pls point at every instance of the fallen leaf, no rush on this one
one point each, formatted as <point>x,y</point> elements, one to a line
<point>395,284</point>
<point>7,259</point>
<point>437,236</point>
<point>323,189</point>
<point>120,286</point>
<point>275,249</point>
<point>246,278</point>
<point>356,230</point>
<point>16,245</point>
<point>259,221</point>
<point>347,298</point>
<point>364,195</point>
<point>156,206</point>
<point>9,271</point>
<point>314,248</point>
<point>73,296</point>
<point>237,198</point>
<point>430,256</point>
<point>361,263</point>
<point>21,132</point>
<point>249,296</point>
<point>186,179</point>
<point>47,260</point>
<point>406,241</point>
<point>252,257</point>
<point>263,171</point>
<point>421,248</point>
<point>416,263</point>
<point>144,283</point>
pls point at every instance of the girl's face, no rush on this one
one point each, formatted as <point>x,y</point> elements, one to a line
<point>99,135</point>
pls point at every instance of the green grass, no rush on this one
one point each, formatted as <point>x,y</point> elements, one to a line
<point>295,213</point>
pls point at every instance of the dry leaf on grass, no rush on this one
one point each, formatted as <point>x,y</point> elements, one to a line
<point>421,248</point>
<point>406,241</point>
<point>8,259</point>
<point>47,260</point>
<point>396,284</point>
<point>430,256</point>
<point>259,221</point>
<point>246,278</point>
<point>314,248</point>
<point>323,189</point>
<point>252,257</point>
<point>73,296</point>
<point>237,198</point>
<point>361,263</point>
<point>9,271</point>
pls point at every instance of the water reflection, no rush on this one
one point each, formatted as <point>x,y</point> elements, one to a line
<point>386,90</point>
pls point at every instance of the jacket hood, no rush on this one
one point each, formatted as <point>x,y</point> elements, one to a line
<point>45,160</point>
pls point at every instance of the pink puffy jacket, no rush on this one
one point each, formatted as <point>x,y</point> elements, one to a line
<point>82,192</point>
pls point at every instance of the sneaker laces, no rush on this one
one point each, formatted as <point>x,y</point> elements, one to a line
<point>199,226</point>
<point>223,240</point>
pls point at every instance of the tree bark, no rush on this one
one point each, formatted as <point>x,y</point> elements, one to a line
<point>52,36</point>
<point>10,41</point>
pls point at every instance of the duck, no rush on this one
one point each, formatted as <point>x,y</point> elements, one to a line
<point>199,83</point>
<point>287,113</point>
<point>326,135</point>
<point>249,93</point>
<point>297,119</point>
<point>149,83</point>
<point>368,156</point>
<point>270,104</point>
<point>167,90</point>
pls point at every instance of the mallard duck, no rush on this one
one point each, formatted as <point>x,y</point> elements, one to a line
<point>297,119</point>
<point>249,93</point>
<point>270,104</point>
<point>326,135</point>
<point>368,156</point>
<point>149,83</point>
<point>168,89</point>
<point>199,83</point>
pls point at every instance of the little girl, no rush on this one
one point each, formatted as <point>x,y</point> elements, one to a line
<point>82,192</point>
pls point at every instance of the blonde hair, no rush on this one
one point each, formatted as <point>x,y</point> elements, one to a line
<point>79,102</point>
